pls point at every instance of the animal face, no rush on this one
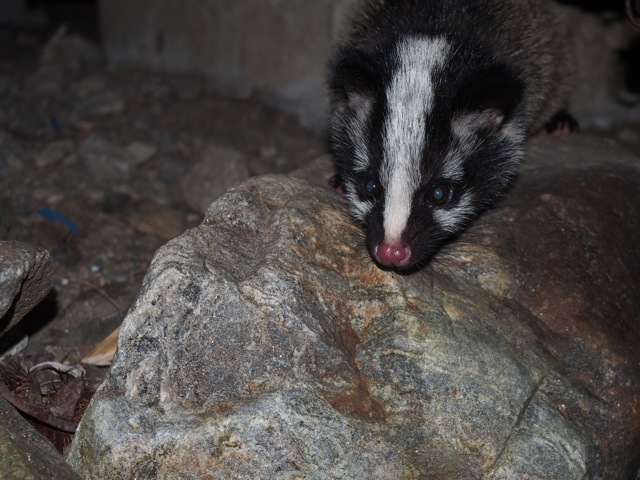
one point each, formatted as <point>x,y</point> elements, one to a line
<point>426,136</point>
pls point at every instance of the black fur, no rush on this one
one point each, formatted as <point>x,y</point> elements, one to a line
<point>476,79</point>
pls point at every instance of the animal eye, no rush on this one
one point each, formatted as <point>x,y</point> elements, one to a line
<point>371,189</point>
<point>439,194</point>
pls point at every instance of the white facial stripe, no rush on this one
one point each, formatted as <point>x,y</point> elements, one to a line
<point>450,219</point>
<point>409,100</point>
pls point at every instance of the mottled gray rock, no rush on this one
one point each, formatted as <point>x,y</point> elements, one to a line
<point>142,151</point>
<point>103,103</point>
<point>220,169</point>
<point>25,454</point>
<point>266,344</point>
<point>54,153</point>
<point>106,161</point>
<point>26,276</point>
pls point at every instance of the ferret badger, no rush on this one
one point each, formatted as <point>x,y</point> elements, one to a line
<point>431,103</point>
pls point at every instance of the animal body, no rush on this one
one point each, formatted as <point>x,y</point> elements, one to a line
<point>431,104</point>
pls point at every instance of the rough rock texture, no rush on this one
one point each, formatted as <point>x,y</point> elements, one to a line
<point>26,454</point>
<point>26,276</point>
<point>265,343</point>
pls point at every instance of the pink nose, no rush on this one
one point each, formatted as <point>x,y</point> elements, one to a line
<point>392,254</point>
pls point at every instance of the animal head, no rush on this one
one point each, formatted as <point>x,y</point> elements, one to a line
<point>426,135</point>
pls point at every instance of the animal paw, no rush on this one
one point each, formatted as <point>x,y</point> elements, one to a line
<point>562,124</point>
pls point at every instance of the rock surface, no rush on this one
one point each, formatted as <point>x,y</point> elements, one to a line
<point>26,276</point>
<point>265,343</point>
<point>24,453</point>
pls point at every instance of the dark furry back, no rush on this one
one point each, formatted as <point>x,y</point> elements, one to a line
<point>527,34</point>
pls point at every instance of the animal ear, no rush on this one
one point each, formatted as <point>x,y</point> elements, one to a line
<point>490,98</point>
<point>489,120</point>
<point>352,77</point>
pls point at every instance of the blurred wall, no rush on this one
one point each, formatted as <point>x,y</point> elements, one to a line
<point>276,49</point>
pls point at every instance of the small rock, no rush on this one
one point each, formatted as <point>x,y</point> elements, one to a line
<point>99,104</point>
<point>106,161</point>
<point>141,151</point>
<point>54,153</point>
<point>220,169</point>
<point>159,220</point>
<point>26,277</point>
<point>25,453</point>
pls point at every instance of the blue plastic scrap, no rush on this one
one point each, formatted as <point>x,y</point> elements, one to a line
<point>54,216</point>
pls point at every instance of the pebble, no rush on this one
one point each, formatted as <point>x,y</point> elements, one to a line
<point>104,103</point>
<point>54,153</point>
<point>141,151</point>
<point>106,161</point>
<point>158,220</point>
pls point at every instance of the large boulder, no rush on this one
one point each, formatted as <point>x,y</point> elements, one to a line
<point>265,343</point>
